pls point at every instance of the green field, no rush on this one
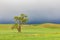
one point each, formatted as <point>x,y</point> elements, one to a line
<point>30,32</point>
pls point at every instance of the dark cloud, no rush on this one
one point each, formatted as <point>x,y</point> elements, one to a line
<point>46,10</point>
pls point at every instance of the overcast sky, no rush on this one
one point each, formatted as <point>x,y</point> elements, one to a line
<point>37,10</point>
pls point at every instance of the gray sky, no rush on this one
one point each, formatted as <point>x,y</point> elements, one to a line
<point>35,9</point>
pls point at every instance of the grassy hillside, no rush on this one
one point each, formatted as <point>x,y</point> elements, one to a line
<point>31,32</point>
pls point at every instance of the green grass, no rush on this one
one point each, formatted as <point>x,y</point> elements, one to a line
<point>30,32</point>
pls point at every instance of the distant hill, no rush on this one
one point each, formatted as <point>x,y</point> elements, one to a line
<point>50,25</point>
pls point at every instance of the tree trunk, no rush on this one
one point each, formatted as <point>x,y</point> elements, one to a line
<point>19,28</point>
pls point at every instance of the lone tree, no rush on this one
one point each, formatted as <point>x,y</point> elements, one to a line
<point>19,21</point>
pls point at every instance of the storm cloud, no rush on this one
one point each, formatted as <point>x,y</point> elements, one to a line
<point>37,10</point>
